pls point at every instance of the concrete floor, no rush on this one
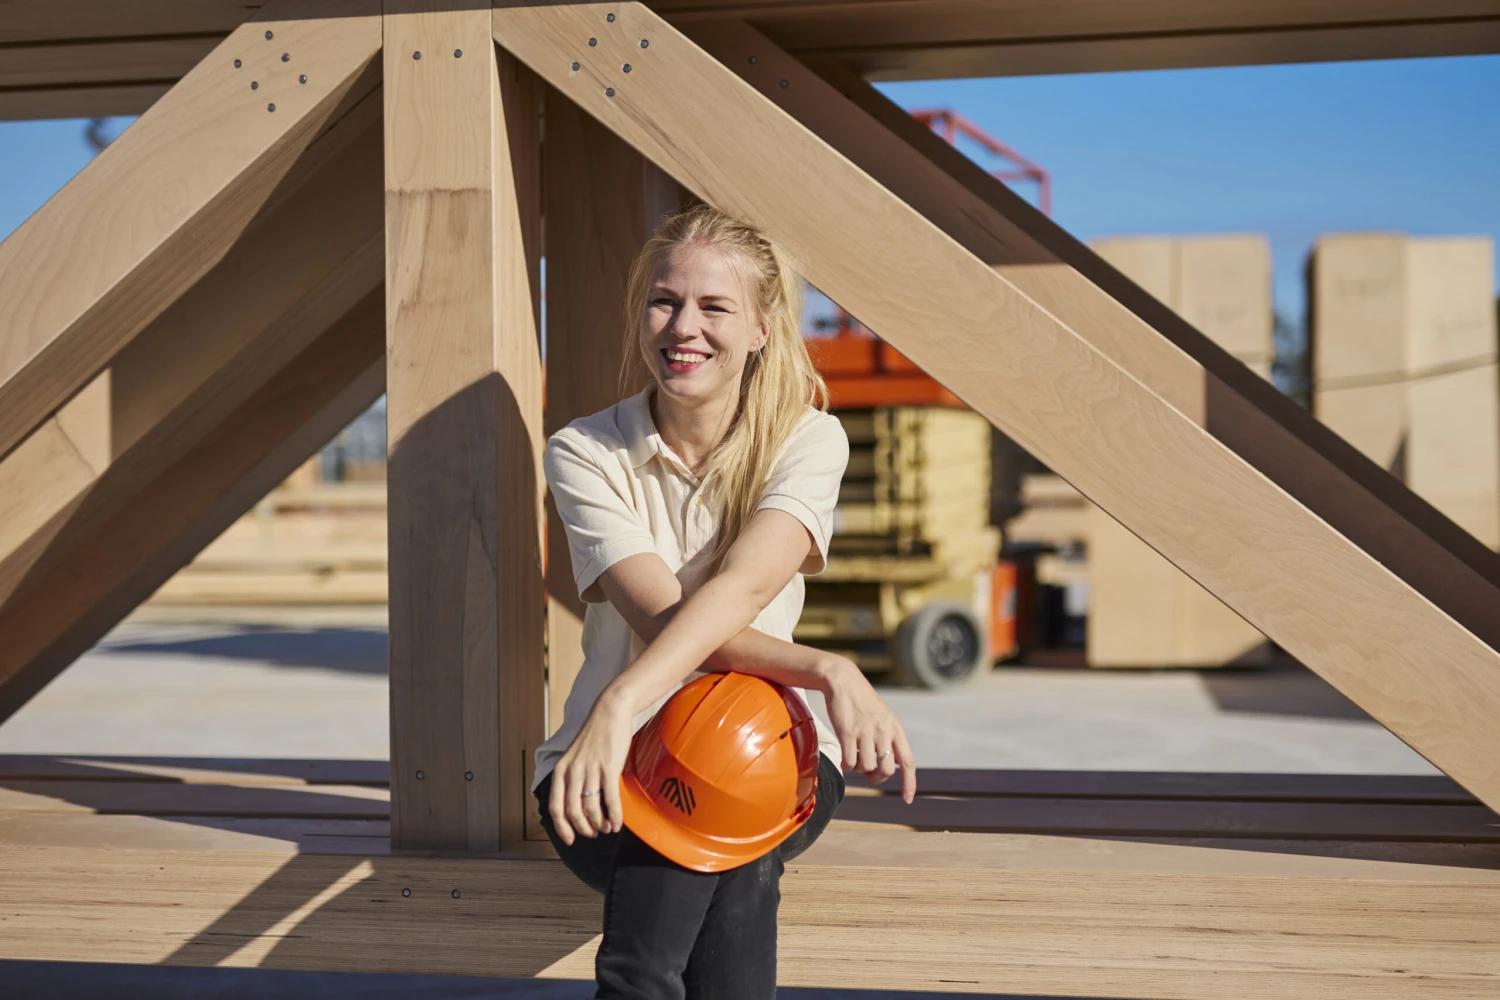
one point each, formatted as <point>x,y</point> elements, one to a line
<point>314,685</point>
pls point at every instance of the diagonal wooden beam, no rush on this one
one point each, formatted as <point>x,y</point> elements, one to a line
<point>1312,589</point>
<point>112,566</point>
<point>295,270</point>
<point>463,221</point>
<point>147,218</point>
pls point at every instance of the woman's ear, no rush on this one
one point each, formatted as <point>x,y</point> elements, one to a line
<point>765,335</point>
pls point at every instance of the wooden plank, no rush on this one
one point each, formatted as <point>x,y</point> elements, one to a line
<point>167,798</point>
<point>602,200</point>
<point>162,204</point>
<point>295,271</point>
<point>1345,821</point>
<point>1453,396</point>
<point>100,101</point>
<point>92,583</point>
<point>114,62</point>
<point>117,832</point>
<point>1297,577</point>
<point>1245,787</point>
<point>275,587</point>
<point>1068,926</point>
<point>199,770</point>
<point>467,617</point>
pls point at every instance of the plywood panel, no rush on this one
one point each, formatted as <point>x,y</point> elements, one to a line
<point>1453,398</point>
<point>463,252</point>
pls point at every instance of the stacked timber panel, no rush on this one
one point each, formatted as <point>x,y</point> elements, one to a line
<point>1143,611</point>
<point>1404,364</point>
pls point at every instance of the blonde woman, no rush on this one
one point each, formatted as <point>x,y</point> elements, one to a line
<point>692,509</point>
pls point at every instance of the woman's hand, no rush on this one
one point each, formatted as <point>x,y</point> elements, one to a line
<point>590,772</point>
<point>872,737</point>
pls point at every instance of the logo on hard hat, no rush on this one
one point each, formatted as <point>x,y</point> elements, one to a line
<point>679,794</point>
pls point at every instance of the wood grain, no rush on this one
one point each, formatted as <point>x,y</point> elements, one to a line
<point>161,205</point>
<point>464,413</point>
<point>1206,506</point>
<point>196,770</point>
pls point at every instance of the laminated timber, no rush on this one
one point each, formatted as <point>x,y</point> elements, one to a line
<point>1167,441</point>
<point>464,417</point>
<point>304,270</point>
<point>1111,884</point>
<point>162,204</point>
<point>88,58</point>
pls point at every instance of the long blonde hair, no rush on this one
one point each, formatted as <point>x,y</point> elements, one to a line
<point>779,380</point>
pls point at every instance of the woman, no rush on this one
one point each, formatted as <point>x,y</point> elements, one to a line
<point>692,510</point>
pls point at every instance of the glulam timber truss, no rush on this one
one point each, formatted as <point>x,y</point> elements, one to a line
<point>344,197</point>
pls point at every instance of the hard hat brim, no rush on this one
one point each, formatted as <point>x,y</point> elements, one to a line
<point>689,848</point>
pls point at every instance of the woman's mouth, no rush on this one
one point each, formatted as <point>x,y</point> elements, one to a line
<point>679,360</point>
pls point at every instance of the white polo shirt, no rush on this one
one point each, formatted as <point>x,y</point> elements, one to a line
<point>621,491</point>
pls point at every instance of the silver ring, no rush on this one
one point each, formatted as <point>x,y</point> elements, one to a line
<point>883,756</point>
<point>587,794</point>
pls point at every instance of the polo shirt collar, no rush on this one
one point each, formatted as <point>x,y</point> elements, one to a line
<point>642,440</point>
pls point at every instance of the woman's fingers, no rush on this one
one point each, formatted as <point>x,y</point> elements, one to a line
<point>851,751</point>
<point>908,762</point>
<point>867,759</point>
<point>593,808</point>
<point>614,808</point>
<point>556,805</point>
<point>573,804</point>
<point>885,751</point>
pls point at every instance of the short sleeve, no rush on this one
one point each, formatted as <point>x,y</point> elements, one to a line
<point>601,525</point>
<point>804,482</point>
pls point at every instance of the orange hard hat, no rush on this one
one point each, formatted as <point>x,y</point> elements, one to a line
<point>723,773</point>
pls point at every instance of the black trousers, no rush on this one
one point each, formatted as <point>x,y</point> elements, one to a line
<point>671,933</point>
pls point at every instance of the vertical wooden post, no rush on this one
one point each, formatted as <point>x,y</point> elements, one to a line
<point>462,148</point>
<point>602,200</point>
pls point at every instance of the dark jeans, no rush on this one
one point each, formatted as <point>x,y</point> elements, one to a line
<point>672,933</point>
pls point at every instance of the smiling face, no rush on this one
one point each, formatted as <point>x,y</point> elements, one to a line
<point>700,326</point>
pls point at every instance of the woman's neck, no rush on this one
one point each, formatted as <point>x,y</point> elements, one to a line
<point>692,429</point>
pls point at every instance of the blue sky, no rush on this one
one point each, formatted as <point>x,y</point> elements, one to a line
<point>1289,151</point>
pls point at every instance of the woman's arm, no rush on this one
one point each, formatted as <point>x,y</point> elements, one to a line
<point>757,567</point>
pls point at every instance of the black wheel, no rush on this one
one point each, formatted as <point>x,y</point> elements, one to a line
<point>940,645</point>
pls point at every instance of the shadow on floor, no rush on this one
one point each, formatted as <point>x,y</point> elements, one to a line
<point>353,650</point>
<point>1286,688</point>
<point>80,981</point>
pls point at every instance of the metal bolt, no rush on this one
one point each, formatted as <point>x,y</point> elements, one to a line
<point>458,53</point>
<point>268,36</point>
<point>645,43</point>
<point>406,892</point>
<point>609,92</point>
<point>610,18</point>
<point>455,893</point>
<point>575,67</point>
<point>237,64</point>
<point>593,42</point>
<point>270,107</point>
<point>302,78</point>
<point>416,55</point>
<point>286,57</point>
<point>783,83</point>
<point>468,775</point>
<point>420,775</point>
<point>254,84</point>
<point>627,67</point>
<point>753,60</point>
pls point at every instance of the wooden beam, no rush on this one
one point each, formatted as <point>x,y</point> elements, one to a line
<point>161,205</point>
<point>602,200</point>
<point>467,618</point>
<point>110,568</point>
<point>294,271</point>
<point>1146,461</point>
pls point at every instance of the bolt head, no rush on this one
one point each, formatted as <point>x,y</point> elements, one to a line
<point>455,893</point>
<point>420,775</point>
<point>753,60</point>
<point>610,18</point>
<point>254,84</point>
<point>416,55</point>
<point>645,43</point>
<point>406,892</point>
<point>593,42</point>
<point>783,84</point>
<point>286,57</point>
<point>609,92</point>
<point>270,107</point>
<point>268,36</point>
<point>627,67</point>
<point>458,53</point>
<point>302,78</point>
<point>468,775</point>
<point>575,67</point>
<point>237,64</point>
